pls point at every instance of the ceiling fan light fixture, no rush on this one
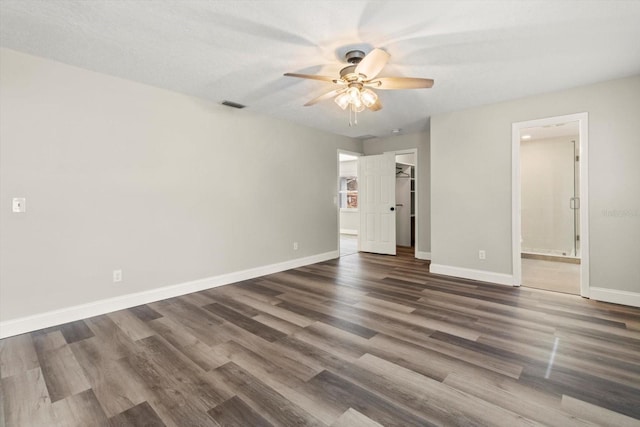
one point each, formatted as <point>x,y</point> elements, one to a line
<point>354,94</point>
<point>356,80</point>
<point>356,102</point>
<point>368,97</point>
<point>342,100</point>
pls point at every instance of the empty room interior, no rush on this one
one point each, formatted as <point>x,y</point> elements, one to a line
<point>301,213</point>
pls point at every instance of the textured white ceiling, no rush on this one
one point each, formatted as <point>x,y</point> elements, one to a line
<point>478,52</point>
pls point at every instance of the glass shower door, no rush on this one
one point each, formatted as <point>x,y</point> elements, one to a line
<point>550,204</point>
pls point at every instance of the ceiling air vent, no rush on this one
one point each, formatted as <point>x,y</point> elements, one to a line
<point>364,137</point>
<point>233,104</point>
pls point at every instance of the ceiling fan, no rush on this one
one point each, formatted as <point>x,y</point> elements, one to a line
<point>357,79</point>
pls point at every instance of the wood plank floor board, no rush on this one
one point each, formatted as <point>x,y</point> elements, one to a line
<point>345,325</point>
<point>166,396</point>
<point>194,349</point>
<point>62,373</point>
<point>80,410</point>
<point>268,307</point>
<point>49,341</point>
<point>236,292</point>
<point>428,397</point>
<point>380,321</point>
<point>131,325</point>
<point>244,322</point>
<point>342,393</point>
<point>591,389</point>
<point>274,322</point>
<point>234,412</point>
<point>116,387</point>
<point>145,313</point>
<point>596,346</point>
<point>596,414</point>
<point>114,342</point>
<point>567,356</point>
<point>259,288</point>
<point>2,401</point>
<point>311,354</point>
<point>279,379</point>
<point>25,399</point>
<point>371,303</point>
<point>75,331</point>
<point>263,399</point>
<point>365,340</point>
<point>335,340</point>
<point>185,375</point>
<point>353,418</point>
<point>332,312</point>
<point>422,360</point>
<point>232,303</point>
<point>17,355</point>
<point>139,415</point>
<point>291,374</point>
<point>197,321</point>
<point>527,404</point>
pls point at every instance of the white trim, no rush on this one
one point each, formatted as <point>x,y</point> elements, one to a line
<point>516,184</point>
<point>423,255</point>
<point>22,325</point>
<point>468,273</point>
<point>616,296</point>
<point>348,231</point>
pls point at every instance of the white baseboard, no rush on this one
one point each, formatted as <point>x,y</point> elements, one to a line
<point>348,231</point>
<point>468,273</point>
<point>615,296</point>
<point>26,324</point>
<point>423,255</point>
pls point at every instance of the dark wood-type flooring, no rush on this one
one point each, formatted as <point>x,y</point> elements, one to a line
<point>364,340</point>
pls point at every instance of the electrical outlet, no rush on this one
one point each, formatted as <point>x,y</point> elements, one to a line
<point>117,276</point>
<point>295,246</point>
<point>482,254</point>
<point>19,205</point>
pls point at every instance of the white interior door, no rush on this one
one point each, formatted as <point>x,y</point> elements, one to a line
<point>377,194</point>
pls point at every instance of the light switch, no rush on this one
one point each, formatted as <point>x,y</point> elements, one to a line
<point>19,204</point>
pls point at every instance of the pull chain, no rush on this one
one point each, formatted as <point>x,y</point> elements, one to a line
<point>353,122</point>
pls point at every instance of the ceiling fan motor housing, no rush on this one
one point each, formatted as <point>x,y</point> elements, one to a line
<point>354,56</point>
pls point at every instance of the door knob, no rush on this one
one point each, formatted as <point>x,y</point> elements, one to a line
<point>392,208</point>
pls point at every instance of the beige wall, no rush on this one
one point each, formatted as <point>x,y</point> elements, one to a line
<point>403,142</point>
<point>471,180</point>
<point>166,187</point>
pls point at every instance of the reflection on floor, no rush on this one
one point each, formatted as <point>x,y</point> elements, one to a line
<point>551,276</point>
<point>348,244</point>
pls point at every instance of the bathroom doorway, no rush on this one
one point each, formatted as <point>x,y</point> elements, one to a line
<point>551,206</point>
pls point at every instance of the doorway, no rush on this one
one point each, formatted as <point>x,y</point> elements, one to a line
<point>405,171</point>
<point>347,202</point>
<point>405,200</point>
<point>550,204</point>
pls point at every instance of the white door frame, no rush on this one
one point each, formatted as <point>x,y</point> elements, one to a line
<point>516,221</point>
<point>414,151</point>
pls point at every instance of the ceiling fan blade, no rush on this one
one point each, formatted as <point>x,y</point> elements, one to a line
<point>372,63</point>
<point>377,106</point>
<point>390,83</point>
<point>325,96</point>
<point>311,76</point>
